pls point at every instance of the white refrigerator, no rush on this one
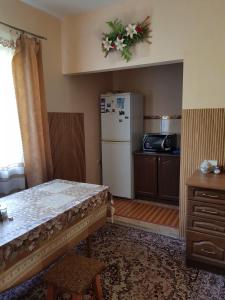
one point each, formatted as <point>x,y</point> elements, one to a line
<point>121,136</point>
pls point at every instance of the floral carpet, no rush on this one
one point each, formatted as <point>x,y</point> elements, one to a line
<point>140,266</point>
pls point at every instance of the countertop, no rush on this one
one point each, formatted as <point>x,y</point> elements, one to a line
<point>208,181</point>
<point>157,153</point>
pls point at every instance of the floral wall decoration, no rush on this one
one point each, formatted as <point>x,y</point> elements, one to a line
<point>122,38</point>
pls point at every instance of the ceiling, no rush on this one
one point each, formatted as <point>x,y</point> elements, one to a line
<point>60,8</point>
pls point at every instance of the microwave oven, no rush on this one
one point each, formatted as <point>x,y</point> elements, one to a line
<point>159,142</point>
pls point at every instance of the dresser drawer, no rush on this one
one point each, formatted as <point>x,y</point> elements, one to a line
<point>206,210</point>
<point>205,248</point>
<point>206,226</point>
<point>206,195</point>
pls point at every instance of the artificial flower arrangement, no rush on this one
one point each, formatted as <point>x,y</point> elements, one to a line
<point>122,38</point>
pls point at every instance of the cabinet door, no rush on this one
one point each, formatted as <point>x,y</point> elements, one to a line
<point>145,176</point>
<point>168,177</point>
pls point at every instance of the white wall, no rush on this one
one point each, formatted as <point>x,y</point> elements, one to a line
<point>161,87</point>
<point>63,94</point>
<point>188,30</point>
<point>83,96</point>
<point>24,16</point>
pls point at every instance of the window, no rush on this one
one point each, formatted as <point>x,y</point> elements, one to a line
<point>11,153</point>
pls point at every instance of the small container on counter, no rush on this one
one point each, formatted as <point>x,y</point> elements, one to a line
<point>3,213</point>
<point>206,167</point>
<point>217,170</point>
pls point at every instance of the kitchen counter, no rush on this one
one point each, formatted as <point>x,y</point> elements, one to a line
<point>157,153</point>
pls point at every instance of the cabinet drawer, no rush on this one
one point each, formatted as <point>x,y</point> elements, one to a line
<point>206,210</point>
<point>206,248</point>
<point>206,195</point>
<point>206,226</point>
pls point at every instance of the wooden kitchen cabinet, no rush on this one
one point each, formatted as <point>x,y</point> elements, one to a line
<point>168,177</point>
<point>145,175</point>
<point>205,230</point>
<point>156,176</point>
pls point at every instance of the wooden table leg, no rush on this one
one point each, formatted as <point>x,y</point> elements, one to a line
<point>88,240</point>
<point>98,288</point>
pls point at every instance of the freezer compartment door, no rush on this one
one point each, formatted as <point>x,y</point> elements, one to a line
<point>115,118</point>
<point>117,168</point>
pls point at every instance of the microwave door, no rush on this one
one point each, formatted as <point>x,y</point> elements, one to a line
<point>153,143</point>
<point>157,144</point>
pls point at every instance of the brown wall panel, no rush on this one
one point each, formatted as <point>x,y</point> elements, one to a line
<point>67,145</point>
<point>203,137</point>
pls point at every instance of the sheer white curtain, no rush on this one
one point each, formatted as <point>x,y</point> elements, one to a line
<point>11,152</point>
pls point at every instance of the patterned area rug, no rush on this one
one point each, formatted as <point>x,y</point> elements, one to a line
<point>140,266</point>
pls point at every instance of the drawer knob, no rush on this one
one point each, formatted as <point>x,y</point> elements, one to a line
<point>210,196</point>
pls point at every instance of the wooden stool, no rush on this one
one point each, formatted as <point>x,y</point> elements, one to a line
<point>74,274</point>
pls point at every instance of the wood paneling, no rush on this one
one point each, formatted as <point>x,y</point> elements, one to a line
<point>203,137</point>
<point>67,145</point>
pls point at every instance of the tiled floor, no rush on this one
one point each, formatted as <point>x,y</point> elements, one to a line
<point>153,217</point>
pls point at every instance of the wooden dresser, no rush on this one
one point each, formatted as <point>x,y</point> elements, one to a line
<point>205,234</point>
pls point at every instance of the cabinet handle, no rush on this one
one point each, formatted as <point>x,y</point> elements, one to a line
<point>208,252</point>
<point>209,211</point>
<point>210,196</point>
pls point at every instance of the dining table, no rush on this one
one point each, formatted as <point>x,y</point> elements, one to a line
<point>46,221</point>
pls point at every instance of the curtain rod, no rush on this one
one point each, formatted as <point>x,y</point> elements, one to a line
<point>24,31</point>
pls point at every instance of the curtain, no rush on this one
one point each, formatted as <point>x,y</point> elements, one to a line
<point>11,152</point>
<point>29,87</point>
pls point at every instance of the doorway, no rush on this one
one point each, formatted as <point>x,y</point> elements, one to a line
<point>156,205</point>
